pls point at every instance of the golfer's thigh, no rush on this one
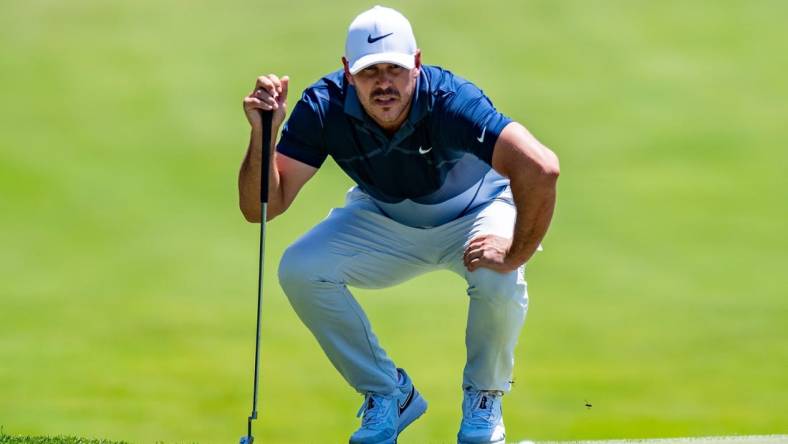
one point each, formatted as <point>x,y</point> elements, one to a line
<point>353,247</point>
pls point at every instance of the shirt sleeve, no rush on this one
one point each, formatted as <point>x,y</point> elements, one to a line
<point>302,136</point>
<point>470,122</point>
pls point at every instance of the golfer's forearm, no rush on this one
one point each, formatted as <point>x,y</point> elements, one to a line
<point>249,181</point>
<point>534,198</point>
<point>533,171</point>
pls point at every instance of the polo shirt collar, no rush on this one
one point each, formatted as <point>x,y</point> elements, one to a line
<point>352,105</point>
<point>422,100</point>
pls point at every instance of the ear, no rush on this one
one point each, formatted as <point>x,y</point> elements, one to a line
<point>417,63</point>
<point>348,76</point>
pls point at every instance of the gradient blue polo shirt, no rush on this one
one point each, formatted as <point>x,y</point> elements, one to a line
<point>434,169</point>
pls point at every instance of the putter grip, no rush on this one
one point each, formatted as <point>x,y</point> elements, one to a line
<point>267,117</point>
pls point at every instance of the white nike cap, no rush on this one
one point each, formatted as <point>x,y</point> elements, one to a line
<point>380,35</point>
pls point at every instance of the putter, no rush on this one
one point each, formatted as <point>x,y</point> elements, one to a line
<point>267,117</point>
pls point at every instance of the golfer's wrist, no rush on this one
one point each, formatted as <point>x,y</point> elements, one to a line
<point>515,258</point>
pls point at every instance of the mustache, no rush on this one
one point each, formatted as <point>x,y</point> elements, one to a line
<point>384,92</point>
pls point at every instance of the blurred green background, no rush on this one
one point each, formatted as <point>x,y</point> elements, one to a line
<point>127,293</point>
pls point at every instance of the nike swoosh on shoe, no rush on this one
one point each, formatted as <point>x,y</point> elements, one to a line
<point>408,400</point>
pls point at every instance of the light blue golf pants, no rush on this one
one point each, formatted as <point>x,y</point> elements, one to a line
<point>358,246</point>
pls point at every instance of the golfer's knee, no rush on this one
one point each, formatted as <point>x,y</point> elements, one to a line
<point>292,269</point>
<point>498,288</point>
<point>300,269</point>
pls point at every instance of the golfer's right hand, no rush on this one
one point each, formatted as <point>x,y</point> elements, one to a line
<point>270,93</point>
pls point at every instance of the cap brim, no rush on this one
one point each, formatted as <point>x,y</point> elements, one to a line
<point>407,61</point>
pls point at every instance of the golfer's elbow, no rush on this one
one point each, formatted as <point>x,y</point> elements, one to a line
<point>549,166</point>
<point>541,169</point>
<point>518,155</point>
<point>272,212</point>
<point>251,212</point>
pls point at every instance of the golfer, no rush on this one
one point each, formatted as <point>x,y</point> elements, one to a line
<point>443,181</point>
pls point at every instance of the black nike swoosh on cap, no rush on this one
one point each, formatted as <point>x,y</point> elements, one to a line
<point>408,400</point>
<point>371,39</point>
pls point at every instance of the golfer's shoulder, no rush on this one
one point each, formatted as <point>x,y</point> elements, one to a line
<point>446,86</point>
<point>326,92</point>
<point>442,80</point>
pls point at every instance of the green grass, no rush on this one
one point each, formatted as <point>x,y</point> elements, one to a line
<point>11,439</point>
<point>128,289</point>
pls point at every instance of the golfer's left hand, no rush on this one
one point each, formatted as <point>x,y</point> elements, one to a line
<point>489,251</point>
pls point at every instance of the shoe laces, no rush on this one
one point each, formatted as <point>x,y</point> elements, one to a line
<point>483,408</point>
<point>374,409</point>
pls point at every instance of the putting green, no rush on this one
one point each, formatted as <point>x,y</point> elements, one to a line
<point>128,288</point>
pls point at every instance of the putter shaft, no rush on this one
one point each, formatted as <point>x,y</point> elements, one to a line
<point>267,117</point>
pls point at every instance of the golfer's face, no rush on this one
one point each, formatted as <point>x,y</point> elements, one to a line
<point>385,91</point>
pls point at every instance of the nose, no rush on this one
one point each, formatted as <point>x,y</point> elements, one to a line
<point>383,78</point>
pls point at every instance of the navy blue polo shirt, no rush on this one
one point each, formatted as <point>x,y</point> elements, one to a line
<point>434,169</point>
